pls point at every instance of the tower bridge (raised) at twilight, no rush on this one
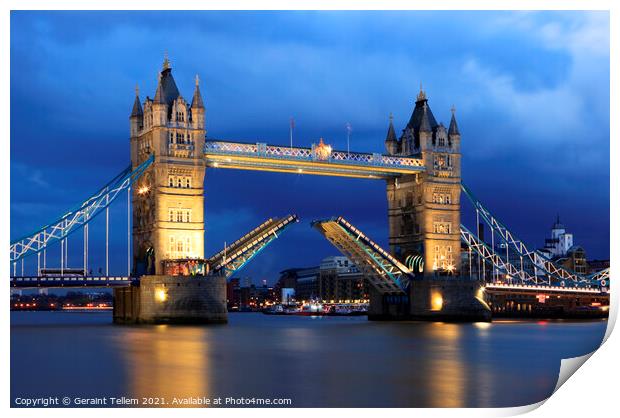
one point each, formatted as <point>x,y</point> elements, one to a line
<point>431,257</point>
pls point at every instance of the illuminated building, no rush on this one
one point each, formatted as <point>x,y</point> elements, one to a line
<point>424,208</point>
<point>168,200</point>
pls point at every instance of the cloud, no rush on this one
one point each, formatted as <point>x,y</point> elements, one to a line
<point>531,91</point>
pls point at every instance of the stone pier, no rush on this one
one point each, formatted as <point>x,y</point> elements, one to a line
<point>453,300</point>
<point>173,300</point>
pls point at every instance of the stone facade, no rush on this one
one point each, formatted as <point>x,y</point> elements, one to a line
<point>442,299</point>
<point>424,209</point>
<point>168,199</point>
<point>172,299</point>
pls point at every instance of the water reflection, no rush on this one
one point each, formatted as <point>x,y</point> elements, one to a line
<point>330,362</point>
<point>446,379</point>
<point>166,361</point>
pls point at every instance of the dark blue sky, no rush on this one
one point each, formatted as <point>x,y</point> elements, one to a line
<point>531,92</point>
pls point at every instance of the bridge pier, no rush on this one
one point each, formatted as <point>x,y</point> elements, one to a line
<point>172,299</point>
<point>454,300</point>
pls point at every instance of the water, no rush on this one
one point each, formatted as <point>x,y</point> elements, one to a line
<point>315,362</point>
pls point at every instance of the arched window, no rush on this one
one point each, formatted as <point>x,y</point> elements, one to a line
<point>188,182</point>
<point>179,182</point>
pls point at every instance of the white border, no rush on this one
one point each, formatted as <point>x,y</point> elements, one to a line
<point>590,393</point>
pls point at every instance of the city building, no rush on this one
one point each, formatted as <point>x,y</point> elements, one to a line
<point>559,243</point>
<point>598,265</point>
<point>243,295</point>
<point>340,280</point>
<point>575,260</point>
<point>336,279</point>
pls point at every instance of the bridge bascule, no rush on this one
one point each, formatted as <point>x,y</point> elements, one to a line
<point>429,248</point>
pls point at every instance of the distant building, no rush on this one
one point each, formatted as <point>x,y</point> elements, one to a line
<point>242,295</point>
<point>598,265</point>
<point>306,284</point>
<point>575,260</point>
<point>559,243</point>
<point>335,279</point>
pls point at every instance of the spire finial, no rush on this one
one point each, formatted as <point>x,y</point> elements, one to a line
<point>421,94</point>
<point>391,117</point>
<point>197,80</point>
<point>453,110</point>
<point>137,90</point>
<point>166,64</point>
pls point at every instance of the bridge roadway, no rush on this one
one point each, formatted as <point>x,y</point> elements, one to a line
<point>69,281</point>
<point>318,160</point>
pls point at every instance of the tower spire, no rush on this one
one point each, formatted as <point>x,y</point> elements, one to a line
<point>454,128</point>
<point>166,64</point>
<point>197,99</point>
<point>136,111</point>
<point>421,94</point>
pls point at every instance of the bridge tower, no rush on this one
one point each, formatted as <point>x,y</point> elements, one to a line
<point>424,209</point>
<point>168,200</point>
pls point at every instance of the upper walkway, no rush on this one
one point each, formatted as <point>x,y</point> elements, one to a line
<point>318,160</point>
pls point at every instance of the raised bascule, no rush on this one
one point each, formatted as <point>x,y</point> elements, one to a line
<point>435,268</point>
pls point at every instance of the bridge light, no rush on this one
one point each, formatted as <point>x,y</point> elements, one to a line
<point>142,190</point>
<point>299,170</point>
<point>216,164</point>
<point>436,301</point>
<point>161,295</point>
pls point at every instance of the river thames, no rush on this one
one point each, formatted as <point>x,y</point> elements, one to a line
<point>313,361</point>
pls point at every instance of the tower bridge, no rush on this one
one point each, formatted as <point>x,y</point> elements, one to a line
<point>435,267</point>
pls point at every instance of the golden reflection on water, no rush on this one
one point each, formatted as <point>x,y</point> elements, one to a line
<point>447,380</point>
<point>166,361</point>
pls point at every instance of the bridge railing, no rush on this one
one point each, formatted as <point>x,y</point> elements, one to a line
<point>309,154</point>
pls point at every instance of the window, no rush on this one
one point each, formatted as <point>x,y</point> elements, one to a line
<point>171,138</point>
<point>442,258</point>
<point>170,181</point>
<point>442,198</point>
<point>442,227</point>
<point>442,142</point>
<point>179,215</point>
<point>179,182</point>
<point>171,247</point>
<point>188,182</point>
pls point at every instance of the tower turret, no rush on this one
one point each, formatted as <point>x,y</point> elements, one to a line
<point>198,107</point>
<point>391,143</point>
<point>136,118</point>
<point>454,135</point>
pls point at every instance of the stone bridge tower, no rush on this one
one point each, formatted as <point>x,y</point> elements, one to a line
<point>424,209</point>
<point>168,200</point>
